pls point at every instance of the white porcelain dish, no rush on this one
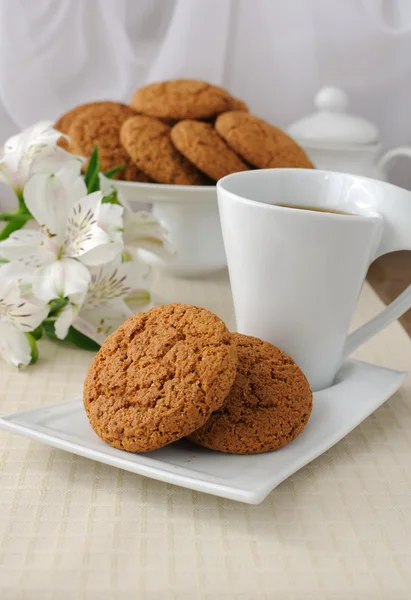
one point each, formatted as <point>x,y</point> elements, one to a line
<point>336,140</point>
<point>190,214</point>
<point>359,390</point>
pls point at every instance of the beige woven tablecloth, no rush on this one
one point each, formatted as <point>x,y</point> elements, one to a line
<point>71,528</point>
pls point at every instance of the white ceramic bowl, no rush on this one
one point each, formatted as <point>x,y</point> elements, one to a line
<point>190,214</point>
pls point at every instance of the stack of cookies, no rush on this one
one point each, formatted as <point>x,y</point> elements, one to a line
<point>182,132</point>
<point>177,371</point>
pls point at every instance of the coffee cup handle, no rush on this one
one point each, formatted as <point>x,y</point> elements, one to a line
<point>392,312</point>
<point>397,236</point>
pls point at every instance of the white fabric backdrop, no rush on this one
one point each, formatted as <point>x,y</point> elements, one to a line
<point>273,53</point>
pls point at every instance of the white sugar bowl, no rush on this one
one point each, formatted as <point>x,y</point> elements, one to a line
<point>335,140</point>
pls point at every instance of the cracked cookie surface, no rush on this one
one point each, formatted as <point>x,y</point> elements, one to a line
<point>201,145</point>
<point>259,143</point>
<point>99,124</point>
<point>267,407</point>
<point>159,377</point>
<point>181,99</point>
<point>64,122</point>
<point>148,143</point>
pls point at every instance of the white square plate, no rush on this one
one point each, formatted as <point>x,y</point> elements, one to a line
<point>359,390</point>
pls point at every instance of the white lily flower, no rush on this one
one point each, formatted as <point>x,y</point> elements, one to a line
<point>143,230</point>
<point>111,222</point>
<point>20,313</point>
<point>68,315</point>
<point>103,309</point>
<point>70,238</point>
<point>34,150</point>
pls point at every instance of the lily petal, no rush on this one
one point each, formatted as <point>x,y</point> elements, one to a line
<point>22,314</point>
<point>110,220</point>
<point>28,246</point>
<point>82,231</point>
<point>109,282</point>
<point>39,133</point>
<point>102,254</point>
<point>9,170</point>
<point>14,271</point>
<point>49,159</point>
<point>143,230</point>
<point>20,274</point>
<point>65,319</point>
<point>60,279</point>
<point>104,308</point>
<point>18,305</point>
<point>14,346</point>
<point>31,151</point>
<point>97,324</point>
<point>49,198</point>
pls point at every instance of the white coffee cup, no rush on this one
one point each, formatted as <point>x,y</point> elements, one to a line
<point>296,274</point>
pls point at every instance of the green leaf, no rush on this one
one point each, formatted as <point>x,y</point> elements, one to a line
<point>111,198</point>
<point>57,305</point>
<point>113,172</point>
<point>94,184</point>
<point>92,165</point>
<point>33,347</point>
<point>17,223</point>
<point>48,327</point>
<point>91,177</point>
<point>82,341</point>
<point>73,337</point>
<point>37,333</point>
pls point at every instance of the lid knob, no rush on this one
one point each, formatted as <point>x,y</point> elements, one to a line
<point>331,125</point>
<point>332,99</point>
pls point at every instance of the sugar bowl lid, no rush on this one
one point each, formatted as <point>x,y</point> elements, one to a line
<point>332,124</point>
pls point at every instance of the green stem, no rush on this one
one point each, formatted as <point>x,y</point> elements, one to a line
<point>22,205</point>
<point>126,256</point>
<point>33,348</point>
<point>143,297</point>
<point>17,223</point>
<point>9,216</point>
<point>16,219</point>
